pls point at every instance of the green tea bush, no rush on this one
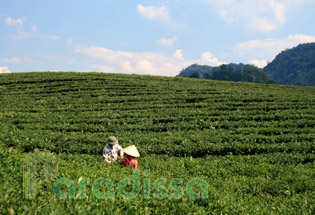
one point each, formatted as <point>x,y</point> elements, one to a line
<point>252,144</point>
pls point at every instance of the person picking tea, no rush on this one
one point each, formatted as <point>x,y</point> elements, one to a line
<point>111,150</point>
<point>132,153</point>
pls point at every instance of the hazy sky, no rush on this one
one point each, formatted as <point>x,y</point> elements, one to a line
<point>148,37</point>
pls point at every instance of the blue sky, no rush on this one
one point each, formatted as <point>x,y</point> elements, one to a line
<point>148,37</point>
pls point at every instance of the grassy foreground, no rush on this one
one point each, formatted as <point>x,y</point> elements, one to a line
<point>252,144</point>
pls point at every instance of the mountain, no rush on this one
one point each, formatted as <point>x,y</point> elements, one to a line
<point>229,72</point>
<point>294,66</point>
<point>192,70</point>
<point>248,74</point>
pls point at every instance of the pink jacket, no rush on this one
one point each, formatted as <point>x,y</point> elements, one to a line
<point>129,161</point>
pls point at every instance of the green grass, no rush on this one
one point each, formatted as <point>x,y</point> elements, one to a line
<point>253,144</point>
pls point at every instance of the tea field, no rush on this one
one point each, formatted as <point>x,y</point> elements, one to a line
<point>253,145</point>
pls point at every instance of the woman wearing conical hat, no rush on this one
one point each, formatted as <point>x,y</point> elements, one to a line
<point>132,153</point>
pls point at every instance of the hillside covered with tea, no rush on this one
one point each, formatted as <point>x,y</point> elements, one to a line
<point>253,144</point>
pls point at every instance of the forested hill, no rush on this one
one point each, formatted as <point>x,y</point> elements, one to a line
<point>191,70</point>
<point>294,66</point>
<point>227,72</point>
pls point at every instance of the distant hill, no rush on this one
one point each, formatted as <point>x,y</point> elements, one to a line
<point>204,69</point>
<point>230,72</point>
<point>294,66</point>
<point>192,69</point>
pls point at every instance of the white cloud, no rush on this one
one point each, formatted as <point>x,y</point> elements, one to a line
<point>26,34</point>
<point>29,35</point>
<point>208,57</point>
<point>159,14</point>
<point>153,13</point>
<point>146,67</point>
<point>126,66</point>
<point>71,61</point>
<point>104,54</point>
<point>34,28</point>
<point>20,60</point>
<point>269,48</point>
<point>261,24</point>
<point>258,15</point>
<point>53,57</point>
<point>69,42</point>
<point>22,35</point>
<point>14,60</point>
<point>52,37</point>
<point>167,42</point>
<point>14,22</point>
<point>259,63</point>
<point>4,69</point>
<point>153,63</point>
<point>179,54</point>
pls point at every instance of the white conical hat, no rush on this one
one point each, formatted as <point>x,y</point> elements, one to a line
<point>132,151</point>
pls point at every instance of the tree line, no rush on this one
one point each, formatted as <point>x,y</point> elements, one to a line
<point>228,72</point>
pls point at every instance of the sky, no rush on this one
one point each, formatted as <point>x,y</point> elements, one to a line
<point>158,37</point>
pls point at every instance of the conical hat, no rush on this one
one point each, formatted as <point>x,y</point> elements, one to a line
<point>132,151</point>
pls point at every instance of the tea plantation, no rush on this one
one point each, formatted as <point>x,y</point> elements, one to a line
<point>252,145</point>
